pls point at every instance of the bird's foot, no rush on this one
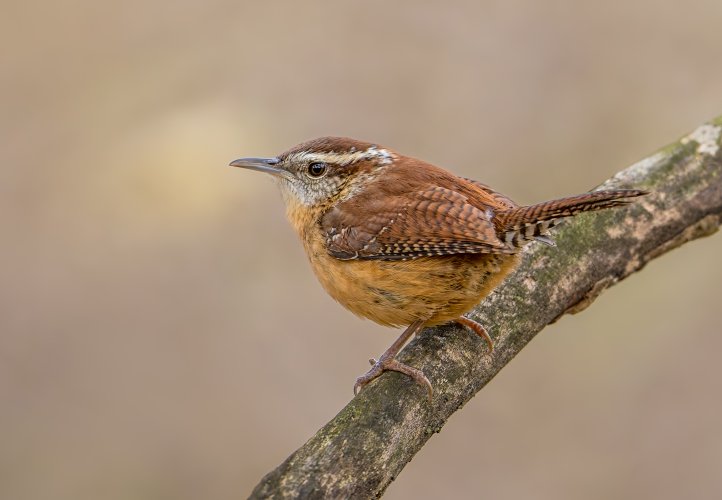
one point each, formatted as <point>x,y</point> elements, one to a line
<point>391,364</point>
<point>476,328</point>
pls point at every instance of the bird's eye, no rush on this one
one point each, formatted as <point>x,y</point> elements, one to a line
<point>317,169</point>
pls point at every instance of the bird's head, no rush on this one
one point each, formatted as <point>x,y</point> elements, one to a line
<point>322,171</point>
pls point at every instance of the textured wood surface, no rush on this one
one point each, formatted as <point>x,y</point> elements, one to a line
<point>363,448</point>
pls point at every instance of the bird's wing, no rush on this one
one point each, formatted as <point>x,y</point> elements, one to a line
<point>504,202</point>
<point>429,222</point>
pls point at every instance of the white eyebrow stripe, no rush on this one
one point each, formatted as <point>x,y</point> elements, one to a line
<point>345,158</point>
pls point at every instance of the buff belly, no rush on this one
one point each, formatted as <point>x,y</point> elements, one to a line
<point>397,293</point>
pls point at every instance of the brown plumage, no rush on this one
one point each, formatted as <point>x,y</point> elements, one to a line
<point>403,242</point>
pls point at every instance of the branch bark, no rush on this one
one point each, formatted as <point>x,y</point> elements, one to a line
<point>360,451</point>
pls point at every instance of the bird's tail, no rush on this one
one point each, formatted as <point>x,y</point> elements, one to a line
<point>521,225</point>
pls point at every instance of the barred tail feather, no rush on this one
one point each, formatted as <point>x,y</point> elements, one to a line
<point>523,224</point>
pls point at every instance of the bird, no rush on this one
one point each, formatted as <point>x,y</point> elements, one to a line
<point>405,243</point>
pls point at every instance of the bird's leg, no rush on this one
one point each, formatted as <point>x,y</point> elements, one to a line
<point>388,362</point>
<point>476,328</point>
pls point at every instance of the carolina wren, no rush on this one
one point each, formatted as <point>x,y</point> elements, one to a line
<point>406,243</point>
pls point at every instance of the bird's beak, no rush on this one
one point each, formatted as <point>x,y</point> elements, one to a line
<point>268,165</point>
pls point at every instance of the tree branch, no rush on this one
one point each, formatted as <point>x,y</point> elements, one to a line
<point>360,451</point>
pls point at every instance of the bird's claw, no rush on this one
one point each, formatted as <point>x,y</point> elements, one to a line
<point>382,365</point>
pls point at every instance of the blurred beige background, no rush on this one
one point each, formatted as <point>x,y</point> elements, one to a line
<point>161,334</point>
